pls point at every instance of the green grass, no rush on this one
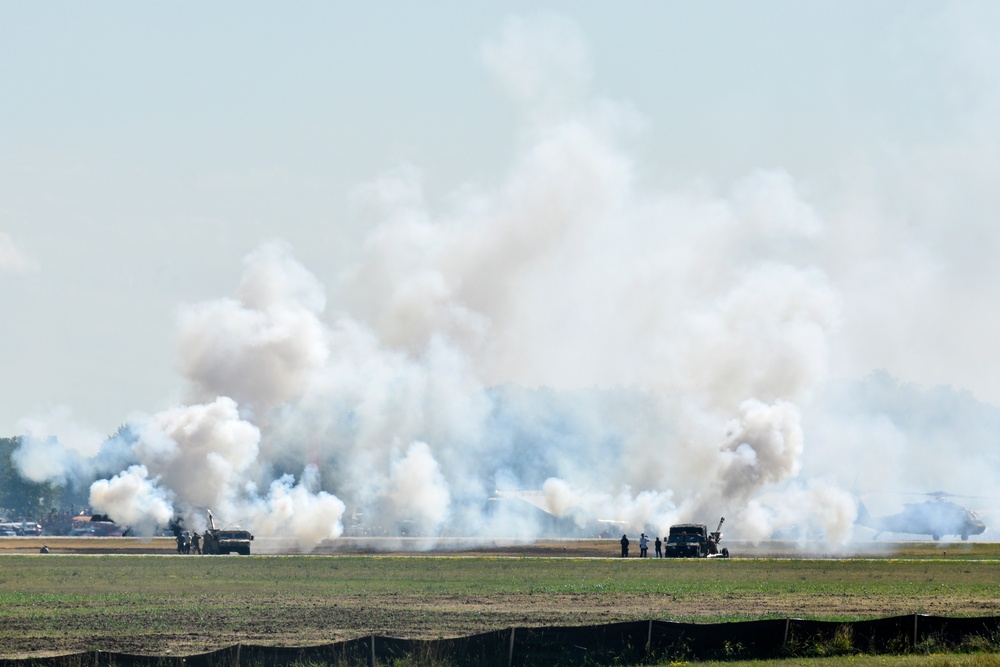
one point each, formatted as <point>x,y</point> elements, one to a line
<point>38,578</point>
<point>149,604</point>
<point>935,660</point>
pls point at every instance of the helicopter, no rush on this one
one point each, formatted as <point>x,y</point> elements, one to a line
<point>937,517</point>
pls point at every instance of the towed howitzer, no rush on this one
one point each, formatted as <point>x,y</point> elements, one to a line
<point>713,542</point>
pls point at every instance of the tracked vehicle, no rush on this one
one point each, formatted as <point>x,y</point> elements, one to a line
<point>226,540</point>
<point>692,540</point>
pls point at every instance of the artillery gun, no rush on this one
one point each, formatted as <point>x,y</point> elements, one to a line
<point>226,540</point>
<point>693,540</point>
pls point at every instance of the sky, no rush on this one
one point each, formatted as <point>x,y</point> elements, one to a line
<point>435,241</point>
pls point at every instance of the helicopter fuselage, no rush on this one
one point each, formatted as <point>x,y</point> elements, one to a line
<point>936,518</point>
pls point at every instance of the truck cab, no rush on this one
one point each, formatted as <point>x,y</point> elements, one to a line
<point>693,540</point>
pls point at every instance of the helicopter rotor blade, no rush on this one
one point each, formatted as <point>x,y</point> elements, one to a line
<point>938,495</point>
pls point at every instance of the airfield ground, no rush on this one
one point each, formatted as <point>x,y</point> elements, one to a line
<point>129,595</point>
<point>575,548</point>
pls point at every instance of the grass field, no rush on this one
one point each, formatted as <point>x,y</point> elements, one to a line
<point>934,660</point>
<point>159,604</point>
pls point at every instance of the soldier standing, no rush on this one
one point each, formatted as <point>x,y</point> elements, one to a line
<point>624,541</point>
<point>196,543</point>
<point>658,544</point>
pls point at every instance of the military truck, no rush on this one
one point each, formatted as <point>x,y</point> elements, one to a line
<point>692,540</point>
<point>225,540</point>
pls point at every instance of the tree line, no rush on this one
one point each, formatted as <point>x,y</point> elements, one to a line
<point>22,499</point>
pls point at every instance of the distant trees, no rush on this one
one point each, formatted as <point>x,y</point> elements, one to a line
<point>24,499</point>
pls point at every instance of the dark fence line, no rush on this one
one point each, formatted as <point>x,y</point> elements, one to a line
<point>620,643</point>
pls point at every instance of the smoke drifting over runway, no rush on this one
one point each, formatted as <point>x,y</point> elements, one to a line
<point>637,353</point>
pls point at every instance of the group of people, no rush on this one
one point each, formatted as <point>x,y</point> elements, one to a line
<point>643,546</point>
<point>188,543</point>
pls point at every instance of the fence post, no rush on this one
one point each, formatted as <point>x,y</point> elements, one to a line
<point>510,649</point>
<point>372,654</point>
<point>915,635</point>
<point>239,650</point>
<point>649,638</point>
<point>788,625</point>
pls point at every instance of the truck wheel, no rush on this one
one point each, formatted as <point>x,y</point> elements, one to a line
<point>725,553</point>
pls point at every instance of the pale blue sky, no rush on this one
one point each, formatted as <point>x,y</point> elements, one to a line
<point>146,149</point>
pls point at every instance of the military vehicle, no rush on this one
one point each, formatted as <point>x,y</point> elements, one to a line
<point>225,540</point>
<point>692,540</point>
<point>937,517</point>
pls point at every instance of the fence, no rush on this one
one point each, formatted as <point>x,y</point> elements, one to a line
<point>620,643</point>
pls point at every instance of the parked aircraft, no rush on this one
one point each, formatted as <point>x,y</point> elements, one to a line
<point>937,517</point>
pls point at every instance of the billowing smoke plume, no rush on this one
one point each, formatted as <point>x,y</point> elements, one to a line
<point>764,447</point>
<point>133,500</point>
<point>259,347</point>
<point>596,348</point>
<point>298,511</point>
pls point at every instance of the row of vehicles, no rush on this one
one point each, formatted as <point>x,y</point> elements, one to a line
<point>19,528</point>
<point>216,540</point>
<point>83,525</point>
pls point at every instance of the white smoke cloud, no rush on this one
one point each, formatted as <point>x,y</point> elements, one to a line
<point>202,452</point>
<point>298,511</point>
<point>417,489</point>
<point>764,447</point>
<point>258,348</point>
<point>816,510</point>
<point>43,457</point>
<point>563,276</point>
<point>647,508</point>
<point>131,499</point>
<point>635,354</point>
